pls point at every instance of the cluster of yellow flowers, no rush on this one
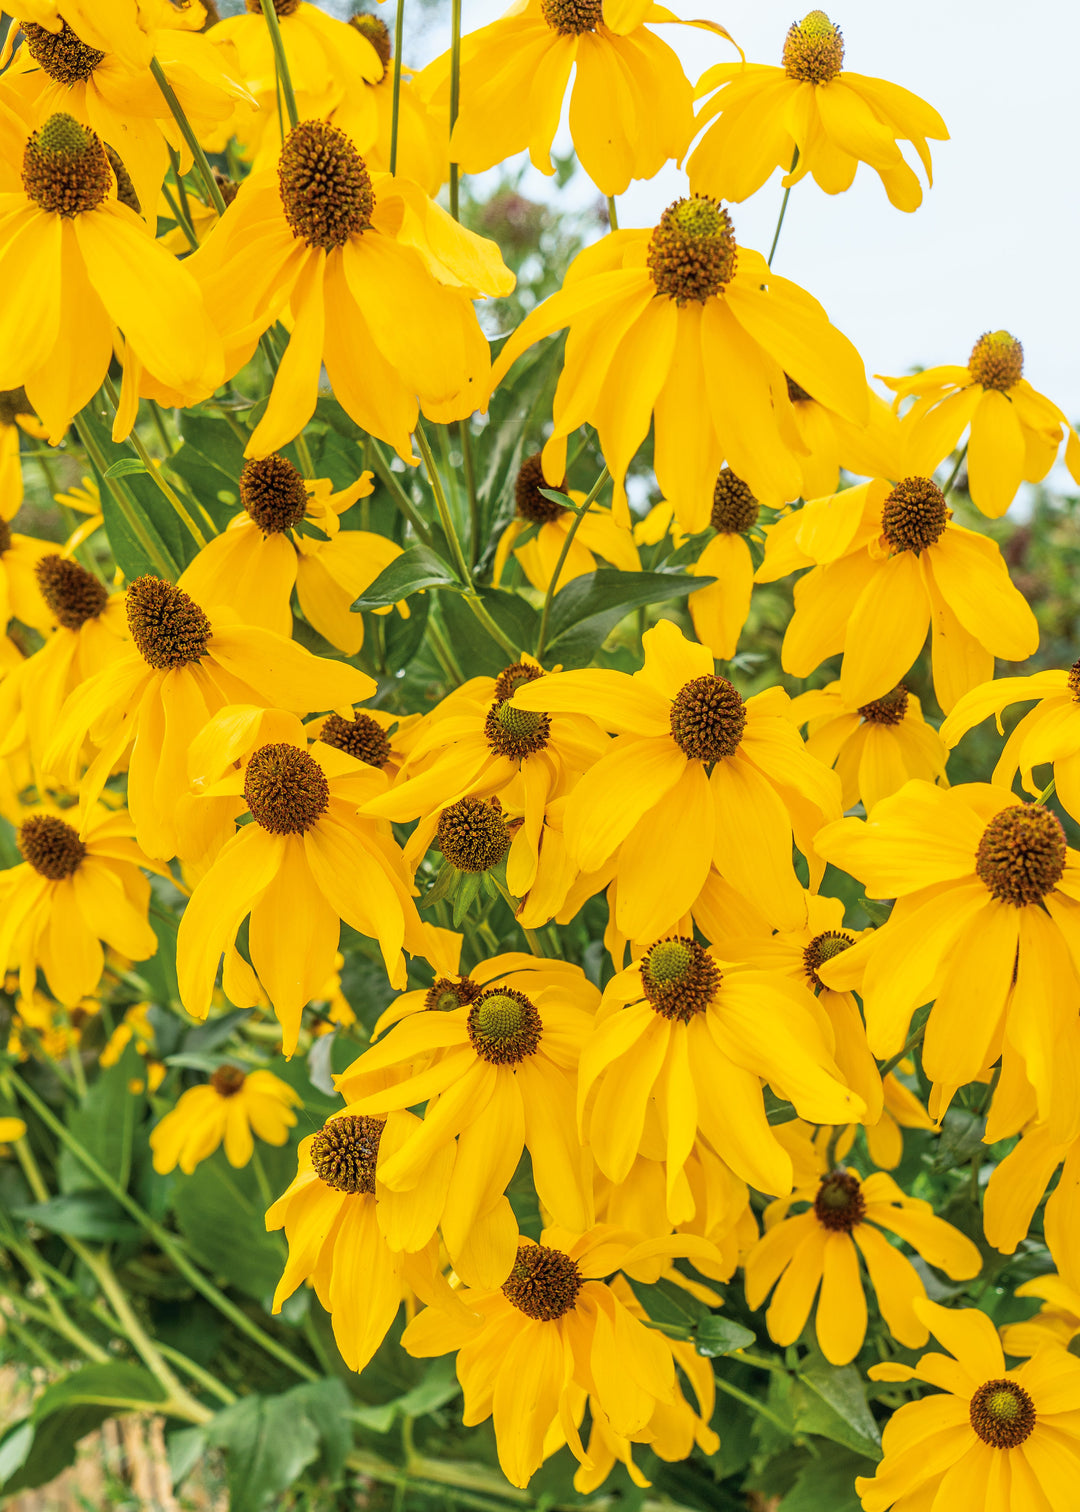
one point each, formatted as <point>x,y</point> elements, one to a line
<point>692,1095</point>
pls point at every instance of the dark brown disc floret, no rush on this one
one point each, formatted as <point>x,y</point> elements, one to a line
<point>997,361</point>
<point>273,493</point>
<point>708,718</point>
<point>65,168</point>
<point>168,628</point>
<point>914,515</point>
<point>375,29</point>
<point>285,788</point>
<point>445,994</point>
<point>1074,682</point>
<point>692,253</point>
<point>511,678</point>
<point>544,1282</point>
<point>504,1027</point>
<point>72,594</point>
<point>825,947</point>
<point>64,56</point>
<point>679,978</point>
<point>529,501</point>
<point>734,509</point>
<point>282,7</point>
<point>1002,1414</point>
<point>1021,856</point>
<point>325,188</point>
<point>472,834</point>
<point>516,733</point>
<point>890,709</point>
<point>813,49</point>
<point>361,737</point>
<point>51,846</point>
<point>227,1080</point>
<point>572,17</point>
<point>345,1151</point>
<point>840,1204</point>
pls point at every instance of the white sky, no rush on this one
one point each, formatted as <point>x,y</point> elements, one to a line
<point>997,239</point>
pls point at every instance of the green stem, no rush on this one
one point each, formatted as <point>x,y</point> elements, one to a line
<point>163,565</point>
<point>512,903</point>
<point>612,213</point>
<point>207,173</point>
<point>181,187</point>
<point>894,1060</point>
<point>155,473</point>
<point>563,554</point>
<point>387,477</point>
<point>443,654</point>
<point>181,220</point>
<point>956,470</point>
<point>783,210</point>
<point>162,428</point>
<point>395,99</point>
<point>281,63</point>
<point>1048,792</point>
<point>754,1404</point>
<point>307,466</point>
<point>470,488</point>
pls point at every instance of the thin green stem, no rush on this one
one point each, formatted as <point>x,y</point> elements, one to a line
<point>894,1060</point>
<point>307,466</point>
<point>395,98</point>
<point>465,435</point>
<point>956,470</point>
<point>455,97</point>
<point>783,211</point>
<point>754,1403</point>
<point>545,612</point>
<point>830,1151</point>
<point>163,564</point>
<point>387,477</point>
<point>181,187</point>
<point>206,172</point>
<point>443,654</point>
<point>1048,792</point>
<point>177,504</point>
<point>281,62</point>
<point>181,220</point>
<point>512,904</point>
<point>612,213</point>
<point>162,428</point>
<point>77,1072</point>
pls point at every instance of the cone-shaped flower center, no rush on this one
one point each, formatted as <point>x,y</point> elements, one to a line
<point>65,170</point>
<point>572,17</point>
<point>273,493</point>
<point>531,504</point>
<point>62,55</point>
<point>1021,856</point>
<point>168,628</point>
<point>344,1153</point>
<point>375,29</point>
<point>708,718</point>
<point>516,733</point>
<point>822,948</point>
<point>72,594</point>
<point>997,361</point>
<point>692,253</point>
<point>52,847</point>
<point>361,736</point>
<point>504,1027</point>
<point>472,834</point>
<point>1074,681</point>
<point>914,515</point>
<point>813,49</point>
<point>1002,1414</point>
<point>282,7</point>
<point>511,678</point>
<point>734,508</point>
<point>227,1080</point>
<point>839,1204</point>
<point>679,978</point>
<point>285,788</point>
<point>444,995</point>
<point>325,188</point>
<point>543,1284</point>
<point>890,709</point>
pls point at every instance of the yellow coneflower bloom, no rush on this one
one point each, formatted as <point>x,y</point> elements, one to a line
<point>304,863</point>
<point>821,1247</point>
<point>109,25</point>
<point>422,132</point>
<point>1048,735</point>
<point>719,611</point>
<point>73,890</point>
<point>1005,1439</point>
<point>809,116</point>
<point>134,1028</point>
<point>231,1107</point>
<point>874,749</point>
<point>155,700</point>
<point>682,1034</point>
<point>696,776</point>
<point>20,594</point>
<point>88,252</point>
<point>987,912</point>
<point>501,1065</point>
<point>453,988</point>
<point>374,736</point>
<point>889,565</point>
<point>363,265</point>
<point>554,1326</point>
<point>598,535</point>
<point>1015,431</point>
<point>1056,1322</point>
<point>1018,1184</point>
<point>681,326</point>
<point>359,1244</point>
<point>831,442</point>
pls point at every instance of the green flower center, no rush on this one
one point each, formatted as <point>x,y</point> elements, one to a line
<point>516,733</point>
<point>840,1204</point>
<point>692,253</point>
<point>444,995</point>
<point>504,1027</point>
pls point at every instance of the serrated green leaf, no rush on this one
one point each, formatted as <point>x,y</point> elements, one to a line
<point>418,567</point>
<point>717,1335</point>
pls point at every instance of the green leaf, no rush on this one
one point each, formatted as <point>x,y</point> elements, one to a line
<point>473,646</point>
<point>82,1215</point>
<point>14,1447</point>
<point>417,568</point>
<point>876,911</point>
<point>327,1405</point>
<point>221,1214</point>
<point>777,1110</point>
<point>115,1385</point>
<point>827,1483</point>
<point>54,1446</point>
<point>717,1335</point>
<point>158,521</point>
<point>105,1125</point>
<point>667,1303</point>
<point>269,1445</point>
<point>584,613</point>
<point>830,1400</point>
<point>125,467</point>
<point>439,1386</point>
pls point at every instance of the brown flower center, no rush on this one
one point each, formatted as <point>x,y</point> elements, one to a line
<point>679,978</point>
<point>345,1151</point>
<point>822,948</point>
<point>65,168</point>
<point>516,733</point>
<point>511,678</point>
<point>168,628</point>
<point>227,1080</point>
<point>708,718</point>
<point>572,17</point>
<point>472,834</point>
<point>734,509</point>
<point>813,49</point>
<point>840,1204</point>
<point>286,789</point>
<point>282,7</point>
<point>325,188</point>
<point>72,594</point>
<point>375,29</point>
<point>543,1284</point>
<point>273,493</point>
<point>1074,681</point>
<point>914,515</point>
<point>530,502</point>
<point>504,1027</point>
<point>997,361</point>
<point>51,847</point>
<point>890,709</point>
<point>1002,1414</point>
<point>361,736</point>
<point>692,253</point>
<point>1021,856</point>
<point>62,55</point>
<point>444,995</point>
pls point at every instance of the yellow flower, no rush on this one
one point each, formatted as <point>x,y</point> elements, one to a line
<point>135,1027</point>
<point>11,1128</point>
<point>809,116</point>
<point>822,1246</point>
<point>696,776</point>
<point>1049,734</point>
<point>16,414</point>
<point>69,245</point>
<point>155,700</point>
<point>373,736</point>
<point>996,1438</point>
<point>422,132</point>
<point>451,989</point>
<point>501,1065</point>
<point>1017,1186</point>
<point>874,749</point>
<point>73,890</point>
<point>890,565</point>
<point>987,912</point>
<point>1015,431</point>
<point>109,25</point>
<point>20,592</point>
<point>832,442</point>
<point>230,1107</point>
<point>539,555</point>
<point>552,1330</point>
<point>364,265</point>
<point>1056,1322</point>
<point>683,1031</point>
<point>304,863</point>
<point>631,108</point>
<point>361,1245</point>
<point>681,326</point>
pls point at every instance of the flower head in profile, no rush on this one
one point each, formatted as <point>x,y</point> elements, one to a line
<point>423,128</point>
<point>873,749</point>
<point>1018,1184</point>
<point>545,527</point>
<point>809,115</point>
<point>113,26</point>
<point>1014,432</point>
<point>1012,1430</point>
<point>230,1108</point>
<point>682,327</point>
